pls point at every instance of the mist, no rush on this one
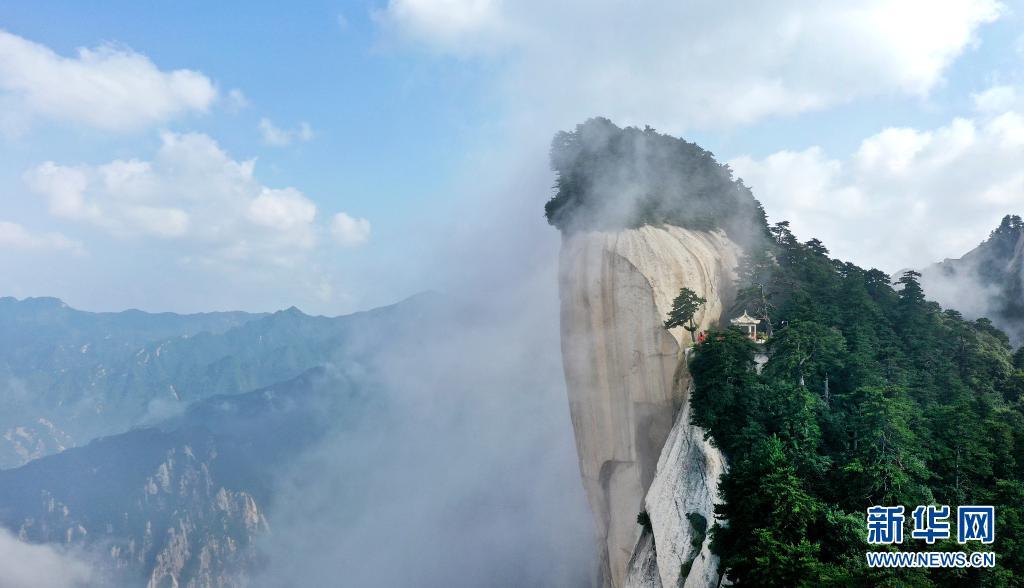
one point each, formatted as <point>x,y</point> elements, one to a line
<point>25,565</point>
<point>985,282</point>
<point>960,290</point>
<point>463,472</point>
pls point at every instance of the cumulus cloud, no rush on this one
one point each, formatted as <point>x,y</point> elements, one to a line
<point>282,210</point>
<point>889,204</point>
<point>191,191</point>
<point>278,137</point>
<point>108,87</point>
<point>24,565</point>
<point>15,236</point>
<point>699,64</point>
<point>350,231</point>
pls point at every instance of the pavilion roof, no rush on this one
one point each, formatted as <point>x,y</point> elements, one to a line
<point>745,319</point>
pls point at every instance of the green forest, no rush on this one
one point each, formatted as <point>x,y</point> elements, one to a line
<point>872,395</point>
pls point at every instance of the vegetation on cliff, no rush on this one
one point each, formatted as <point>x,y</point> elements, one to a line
<point>612,178</point>
<point>990,278</point>
<point>873,395</point>
<point>685,305</point>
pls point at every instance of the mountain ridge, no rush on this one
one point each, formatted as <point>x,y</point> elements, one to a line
<point>987,281</point>
<point>182,500</point>
<point>70,376</point>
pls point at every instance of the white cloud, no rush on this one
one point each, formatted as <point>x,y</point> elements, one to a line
<point>449,24</point>
<point>906,197</point>
<point>237,100</point>
<point>350,231</point>
<point>699,63</point>
<point>26,565</point>
<point>64,187</point>
<point>15,236</point>
<point>192,192</point>
<point>893,149</point>
<point>107,87</point>
<point>282,210</point>
<point>998,98</point>
<point>278,137</point>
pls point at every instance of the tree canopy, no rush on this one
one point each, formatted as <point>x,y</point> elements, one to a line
<point>612,178</point>
<point>872,395</point>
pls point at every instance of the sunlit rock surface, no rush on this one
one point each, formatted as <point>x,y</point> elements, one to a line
<point>620,365</point>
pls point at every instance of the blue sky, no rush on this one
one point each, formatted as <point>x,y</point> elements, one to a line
<point>425,117</point>
<point>369,106</point>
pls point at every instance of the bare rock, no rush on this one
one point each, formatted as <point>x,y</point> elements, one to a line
<point>620,363</point>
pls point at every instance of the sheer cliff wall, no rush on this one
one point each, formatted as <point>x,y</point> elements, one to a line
<point>627,380</point>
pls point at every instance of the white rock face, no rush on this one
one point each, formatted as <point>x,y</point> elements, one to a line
<point>680,503</point>
<point>620,365</point>
<point>642,569</point>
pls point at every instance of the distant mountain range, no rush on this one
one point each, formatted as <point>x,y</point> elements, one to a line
<point>149,440</point>
<point>56,363</point>
<point>68,376</point>
<point>181,502</point>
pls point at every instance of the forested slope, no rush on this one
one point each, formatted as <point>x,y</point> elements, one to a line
<point>873,395</point>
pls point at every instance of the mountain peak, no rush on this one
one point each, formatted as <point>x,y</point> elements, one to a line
<point>611,178</point>
<point>987,280</point>
<point>1010,223</point>
<point>1003,240</point>
<point>41,302</point>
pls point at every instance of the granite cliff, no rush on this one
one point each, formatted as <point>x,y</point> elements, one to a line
<point>642,216</point>
<point>627,381</point>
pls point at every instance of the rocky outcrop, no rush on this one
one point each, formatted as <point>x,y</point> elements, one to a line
<point>626,382</point>
<point>23,443</point>
<point>207,544</point>
<point>180,527</point>
<point>642,569</point>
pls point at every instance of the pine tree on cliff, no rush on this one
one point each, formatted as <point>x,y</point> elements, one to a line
<point>683,308</point>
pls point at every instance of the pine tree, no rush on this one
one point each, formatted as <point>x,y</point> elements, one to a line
<point>808,353</point>
<point>872,394</point>
<point>755,286</point>
<point>684,307</point>
<point>886,466</point>
<point>767,533</point>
